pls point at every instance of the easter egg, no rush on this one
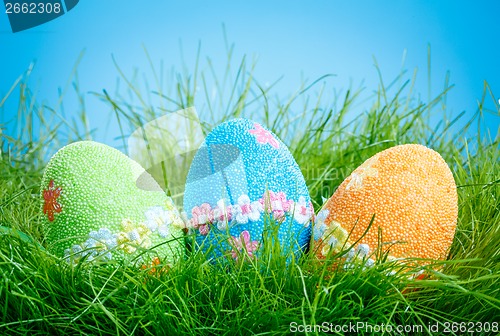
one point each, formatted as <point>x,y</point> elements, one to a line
<point>94,208</point>
<point>410,193</point>
<point>243,180</point>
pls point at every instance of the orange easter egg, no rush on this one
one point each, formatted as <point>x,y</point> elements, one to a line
<point>412,194</point>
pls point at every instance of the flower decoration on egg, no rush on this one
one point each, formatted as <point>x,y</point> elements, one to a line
<point>335,240</point>
<point>104,214</point>
<point>159,219</point>
<point>357,178</point>
<point>243,178</point>
<point>131,237</point>
<point>154,267</point>
<point>409,193</point>
<point>222,214</point>
<point>243,245</point>
<point>202,217</point>
<point>277,204</point>
<point>263,136</point>
<point>302,212</point>
<point>225,216</point>
<point>51,204</point>
<point>246,210</point>
<point>319,224</point>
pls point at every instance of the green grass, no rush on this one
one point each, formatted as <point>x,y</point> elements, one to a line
<point>40,294</point>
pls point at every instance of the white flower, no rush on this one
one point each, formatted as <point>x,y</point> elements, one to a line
<point>246,210</point>
<point>103,238</point>
<point>359,176</point>
<point>358,256</point>
<point>369,263</point>
<point>158,220</point>
<point>134,235</point>
<point>222,215</point>
<point>350,254</point>
<point>101,234</point>
<point>332,241</point>
<point>222,226</point>
<point>362,250</point>
<point>301,213</point>
<point>75,249</point>
<point>98,244</point>
<point>320,226</point>
<point>163,231</point>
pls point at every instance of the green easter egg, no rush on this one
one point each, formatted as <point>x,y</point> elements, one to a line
<point>93,208</point>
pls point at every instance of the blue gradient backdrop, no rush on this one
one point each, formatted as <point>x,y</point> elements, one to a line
<point>297,39</point>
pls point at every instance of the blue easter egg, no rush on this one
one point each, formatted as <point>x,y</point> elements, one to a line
<point>243,180</point>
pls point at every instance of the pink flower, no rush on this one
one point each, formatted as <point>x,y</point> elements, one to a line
<point>204,229</point>
<point>281,198</point>
<point>276,203</point>
<point>202,215</point>
<point>263,136</point>
<point>243,244</point>
<point>222,214</point>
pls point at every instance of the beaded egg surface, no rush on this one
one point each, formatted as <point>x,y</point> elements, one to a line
<point>410,190</point>
<point>93,209</point>
<point>242,181</point>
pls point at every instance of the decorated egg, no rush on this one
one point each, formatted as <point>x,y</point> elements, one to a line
<point>410,193</point>
<point>98,204</point>
<point>243,180</point>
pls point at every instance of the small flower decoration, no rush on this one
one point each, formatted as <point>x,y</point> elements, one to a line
<point>246,210</point>
<point>276,203</point>
<point>102,239</point>
<point>263,136</point>
<point>204,229</point>
<point>358,178</point>
<point>201,215</point>
<point>243,244</point>
<point>138,235</point>
<point>222,215</point>
<point>176,218</point>
<point>359,256</point>
<point>158,220</point>
<point>98,244</point>
<point>320,225</point>
<point>155,267</point>
<point>225,216</point>
<point>334,237</point>
<point>50,197</point>
<point>301,213</point>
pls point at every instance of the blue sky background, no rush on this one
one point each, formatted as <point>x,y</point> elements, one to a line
<point>297,39</point>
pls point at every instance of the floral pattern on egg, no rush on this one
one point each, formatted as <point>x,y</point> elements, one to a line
<point>92,208</point>
<point>241,175</point>
<point>410,191</point>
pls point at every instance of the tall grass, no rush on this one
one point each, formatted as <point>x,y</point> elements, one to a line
<point>40,294</point>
